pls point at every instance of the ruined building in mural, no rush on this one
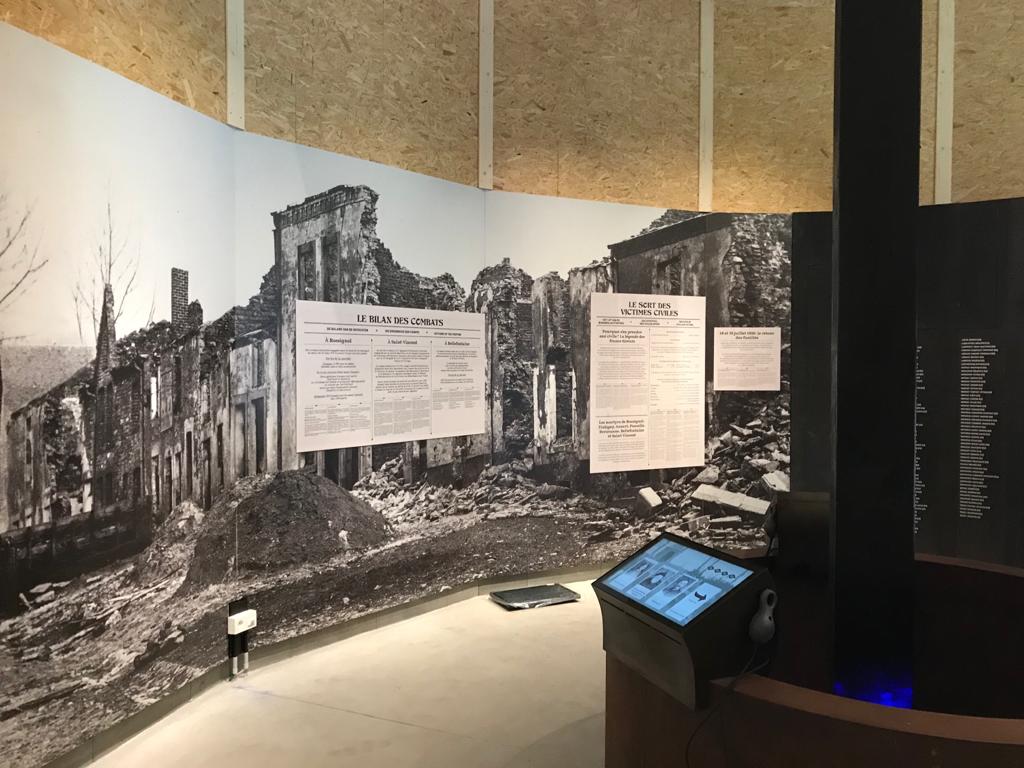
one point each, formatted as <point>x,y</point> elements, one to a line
<point>176,411</point>
<point>182,409</point>
<point>326,249</point>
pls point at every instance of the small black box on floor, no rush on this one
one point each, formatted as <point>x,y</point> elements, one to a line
<point>681,615</point>
<point>534,597</point>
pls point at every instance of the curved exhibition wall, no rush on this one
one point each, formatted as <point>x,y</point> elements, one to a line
<point>154,468</point>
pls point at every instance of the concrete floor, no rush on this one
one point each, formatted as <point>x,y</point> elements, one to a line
<point>468,685</point>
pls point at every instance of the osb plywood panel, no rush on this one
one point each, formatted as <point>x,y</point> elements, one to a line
<point>175,47</point>
<point>773,105</point>
<point>988,94</point>
<point>598,99</point>
<point>394,82</point>
<point>929,68</point>
<point>774,67</point>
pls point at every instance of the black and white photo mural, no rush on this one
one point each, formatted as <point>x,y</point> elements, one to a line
<point>151,264</point>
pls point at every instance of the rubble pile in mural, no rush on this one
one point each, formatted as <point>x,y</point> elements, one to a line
<point>174,542</point>
<point>747,466</point>
<point>500,491</point>
<point>297,517</point>
<point>726,501</point>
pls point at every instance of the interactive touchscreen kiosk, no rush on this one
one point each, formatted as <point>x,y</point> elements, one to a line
<point>679,614</point>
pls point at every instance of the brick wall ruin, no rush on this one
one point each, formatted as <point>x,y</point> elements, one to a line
<point>321,248</point>
<point>552,373</point>
<point>504,292</point>
<point>179,298</point>
<point>584,281</point>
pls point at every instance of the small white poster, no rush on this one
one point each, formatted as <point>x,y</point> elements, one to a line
<point>748,359</point>
<point>369,374</point>
<point>646,382</point>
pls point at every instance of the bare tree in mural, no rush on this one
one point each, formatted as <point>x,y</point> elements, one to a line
<point>19,260</point>
<point>112,264</point>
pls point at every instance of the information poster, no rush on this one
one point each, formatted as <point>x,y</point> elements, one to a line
<point>370,374</point>
<point>646,381</point>
<point>748,359</point>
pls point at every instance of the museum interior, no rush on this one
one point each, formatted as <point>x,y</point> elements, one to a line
<point>511,384</point>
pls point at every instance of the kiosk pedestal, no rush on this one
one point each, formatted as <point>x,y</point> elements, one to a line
<point>680,615</point>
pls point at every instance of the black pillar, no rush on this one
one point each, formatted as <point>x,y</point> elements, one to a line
<point>877,131</point>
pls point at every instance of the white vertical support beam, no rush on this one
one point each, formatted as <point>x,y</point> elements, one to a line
<point>945,50</point>
<point>234,14</point>
<point>485,154</point>
<point>706,125</point>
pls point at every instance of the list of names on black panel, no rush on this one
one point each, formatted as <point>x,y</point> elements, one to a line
<point>920,414</point>
<point>977,420</point>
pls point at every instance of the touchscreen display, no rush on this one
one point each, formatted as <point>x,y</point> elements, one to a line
<point>674,580</point>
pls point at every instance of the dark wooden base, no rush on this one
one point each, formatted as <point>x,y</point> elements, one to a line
<point>765,723</point>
